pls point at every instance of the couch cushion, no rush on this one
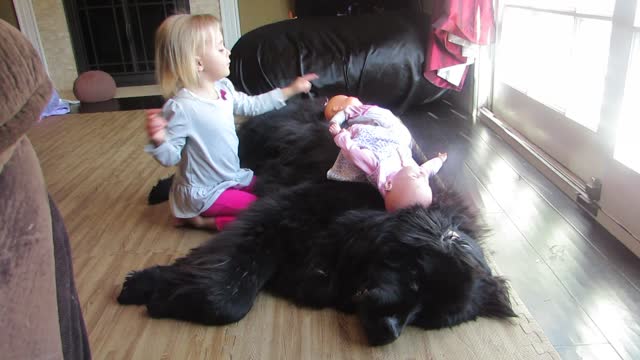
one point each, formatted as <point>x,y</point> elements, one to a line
<point>25,88</point>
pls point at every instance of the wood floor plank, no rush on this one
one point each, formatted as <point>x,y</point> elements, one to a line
<point>557,312</point>
<point>605,295</point>
<point>470,187</point>
<point>617,254</point>
<point>588,352</point>
<point>437,133</point>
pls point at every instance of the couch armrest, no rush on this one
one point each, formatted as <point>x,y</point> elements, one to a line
<point>29,313</point>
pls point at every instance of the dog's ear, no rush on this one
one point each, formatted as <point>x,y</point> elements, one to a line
<point>497,302</point>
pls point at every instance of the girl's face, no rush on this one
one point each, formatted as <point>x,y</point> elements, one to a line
<point>213,64</point>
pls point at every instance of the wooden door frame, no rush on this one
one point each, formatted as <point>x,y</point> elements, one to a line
<point>29,27</point>
<point>230,18</point>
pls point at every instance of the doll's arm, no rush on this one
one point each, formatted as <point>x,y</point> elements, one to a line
<point>339,118</point>
<point>362,158</point>
<point>432,166</point>
<point>372,115</point>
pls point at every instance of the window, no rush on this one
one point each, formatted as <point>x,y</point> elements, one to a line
<point>567,49</point>
<point>560,54</point>
<point>627,148</point>
<point>567,80</point>
<point>116,36</point>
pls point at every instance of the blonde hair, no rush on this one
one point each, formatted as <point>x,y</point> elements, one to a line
<point>179,39</point>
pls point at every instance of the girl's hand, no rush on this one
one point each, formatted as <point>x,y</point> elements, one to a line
<point>155,125</point>
<point>300,85</point>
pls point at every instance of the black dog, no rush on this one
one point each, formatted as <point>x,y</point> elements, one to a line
<point>331,244</point>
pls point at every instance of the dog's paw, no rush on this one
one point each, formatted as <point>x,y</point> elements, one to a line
<point>138,288</point>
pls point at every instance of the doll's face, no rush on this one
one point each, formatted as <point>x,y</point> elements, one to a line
<point>409,186</point>
<point>338,103</point>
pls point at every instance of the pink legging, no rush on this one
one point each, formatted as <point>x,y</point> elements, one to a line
<point>230,203</point>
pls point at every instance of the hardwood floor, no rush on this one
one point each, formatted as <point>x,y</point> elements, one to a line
<point>579,284</point>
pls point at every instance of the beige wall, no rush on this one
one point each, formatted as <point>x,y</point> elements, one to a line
<point>205,7</point>
<point>56,40</point>
<point>255,13</point>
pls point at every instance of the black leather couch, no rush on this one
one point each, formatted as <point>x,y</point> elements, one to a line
<point>377,57</point>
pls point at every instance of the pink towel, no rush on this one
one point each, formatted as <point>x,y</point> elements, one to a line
<point>457,17</point>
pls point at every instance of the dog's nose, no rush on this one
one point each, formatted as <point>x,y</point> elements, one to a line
<point>384,330</point>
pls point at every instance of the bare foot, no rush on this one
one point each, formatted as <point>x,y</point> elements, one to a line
<point>199,222</point>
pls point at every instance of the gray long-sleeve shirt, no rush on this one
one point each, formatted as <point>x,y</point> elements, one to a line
<point>201,139</point>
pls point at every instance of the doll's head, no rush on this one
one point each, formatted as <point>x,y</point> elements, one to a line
<point>409,186</point>
<point>338,103</point>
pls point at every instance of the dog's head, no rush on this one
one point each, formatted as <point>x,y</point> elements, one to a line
<point>426,269</point>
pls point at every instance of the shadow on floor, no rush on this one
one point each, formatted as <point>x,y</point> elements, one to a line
<point>120,104</point>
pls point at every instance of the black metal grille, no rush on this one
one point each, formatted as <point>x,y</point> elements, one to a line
<point>116,36</point>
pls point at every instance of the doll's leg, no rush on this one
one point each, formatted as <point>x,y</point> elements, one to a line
<point>363,158</point>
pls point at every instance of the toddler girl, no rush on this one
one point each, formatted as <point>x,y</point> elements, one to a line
<point>195,129</point>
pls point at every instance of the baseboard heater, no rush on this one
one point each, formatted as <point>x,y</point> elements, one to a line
<point>586,195</point>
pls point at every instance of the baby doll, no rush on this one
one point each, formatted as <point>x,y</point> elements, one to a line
<point>376,146</point>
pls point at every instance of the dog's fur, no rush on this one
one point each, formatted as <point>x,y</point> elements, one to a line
<point>329,244</point>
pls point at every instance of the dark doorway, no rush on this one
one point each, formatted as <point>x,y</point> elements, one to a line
<point>7,13</point>
<point>116,36</point>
